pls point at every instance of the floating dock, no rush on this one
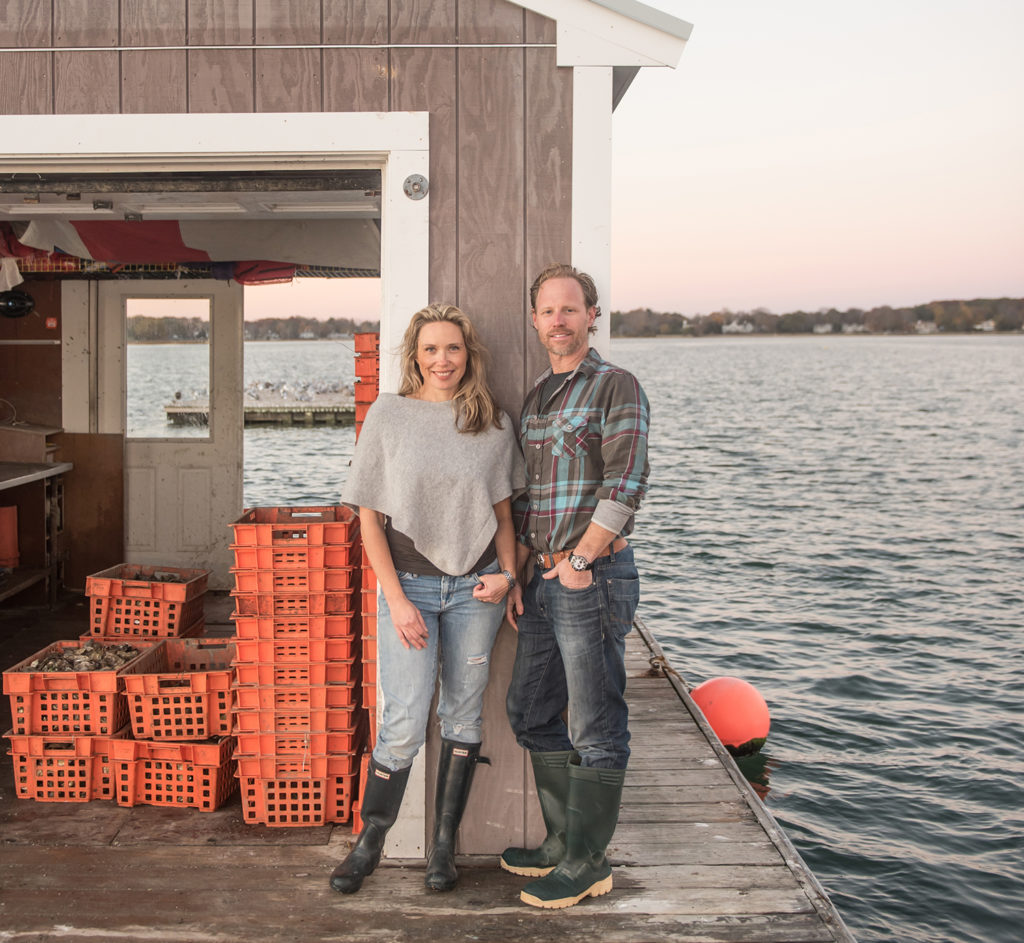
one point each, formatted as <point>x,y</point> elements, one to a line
<point>696,857</point>
<point>323,409</point>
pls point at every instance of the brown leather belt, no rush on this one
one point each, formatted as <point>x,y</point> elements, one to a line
<point>548,560</point>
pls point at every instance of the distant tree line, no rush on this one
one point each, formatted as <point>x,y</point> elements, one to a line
<point>988,314</point>
<point>145,329</point>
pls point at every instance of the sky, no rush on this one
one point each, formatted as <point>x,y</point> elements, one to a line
<point>805,155</point>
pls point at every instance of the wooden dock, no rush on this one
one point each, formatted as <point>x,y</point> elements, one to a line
<point>325,409</point>
<point>696,856</point>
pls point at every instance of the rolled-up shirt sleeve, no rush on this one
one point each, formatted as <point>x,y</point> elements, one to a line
<point>624,454</point>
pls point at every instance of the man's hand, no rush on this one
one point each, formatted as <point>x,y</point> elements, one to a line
<point>568,577</point>
<point>514,605</point>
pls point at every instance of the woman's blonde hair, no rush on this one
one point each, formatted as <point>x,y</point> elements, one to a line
<point>474,402</point>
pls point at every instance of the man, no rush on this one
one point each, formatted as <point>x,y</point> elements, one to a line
<point>583,431</point>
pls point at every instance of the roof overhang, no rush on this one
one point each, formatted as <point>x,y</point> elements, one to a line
<point>613,32</point>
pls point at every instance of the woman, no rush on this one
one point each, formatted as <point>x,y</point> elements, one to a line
<point>432,476</point>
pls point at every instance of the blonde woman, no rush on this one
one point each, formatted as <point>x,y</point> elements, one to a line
<point>433,474</point>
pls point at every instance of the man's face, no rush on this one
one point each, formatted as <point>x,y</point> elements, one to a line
<point>562,320</point>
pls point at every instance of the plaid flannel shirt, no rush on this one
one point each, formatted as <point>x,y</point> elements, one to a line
<point>586,457</point>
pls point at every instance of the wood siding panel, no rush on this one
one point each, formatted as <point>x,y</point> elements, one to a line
<point>216,23</point>
<point>355,80</point>
<point>540,29</point>
<point>548,182</point>
<point>25,83</point>
<point>288,80</point>
<point>287,22</point>
<point>490,21</point>
<point>220,80</point>
<point>425,80</point>
<point>25,23</point>
<point>154,82</point>
<point>489,250</point>
<point>423,21</point>
<point>355,21</point>
<point>491,198</point>
<point>87,83</point>
<point>85,22</point>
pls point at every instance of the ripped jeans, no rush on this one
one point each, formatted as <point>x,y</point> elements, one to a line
<point>461,632</point>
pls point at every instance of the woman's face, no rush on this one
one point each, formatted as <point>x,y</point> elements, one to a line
<point>441,356</point>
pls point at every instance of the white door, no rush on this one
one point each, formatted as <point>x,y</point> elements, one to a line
<point>183,485</point>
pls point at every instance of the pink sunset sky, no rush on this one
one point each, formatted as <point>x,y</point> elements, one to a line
<point>806,155</point>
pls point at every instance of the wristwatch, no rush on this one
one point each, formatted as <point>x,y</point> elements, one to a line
<point>511,579</point>
<point>579,562</point>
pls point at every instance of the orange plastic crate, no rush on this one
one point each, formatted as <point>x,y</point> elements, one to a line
<point>315,766</point>
<point>84,703</point>
<point>366,342</point>
<point>296,628</point>
<point>294,651</point>
<point>143,582</point>
<point>296,526</point>
<point>291,744</point>
<point>295,580</point>
<point>368,367</point>
<point>195,775</point>
<point>297,698</point>
<point>296,801</point>
<point>310,674</point>
<point>366,391</point>
<point>62,769</point>
<point>300,557</point>
<point>368,603</point>
<point>127,617</point>
<point>295,603</point>
<point>369,648</point>
<point>182,690</point>
<point>322,718</point>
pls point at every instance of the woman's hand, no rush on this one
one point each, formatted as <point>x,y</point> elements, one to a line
<point>408,623</point>
<point>493,587</point>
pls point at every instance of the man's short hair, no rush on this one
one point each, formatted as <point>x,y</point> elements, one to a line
<point>564,270</point>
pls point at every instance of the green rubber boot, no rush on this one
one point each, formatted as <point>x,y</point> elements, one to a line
<point>551,775</point>
<point>382,798</point>
<point>592,813</point>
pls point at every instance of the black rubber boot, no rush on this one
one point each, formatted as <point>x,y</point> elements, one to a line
<point>592,813</point>
<point>551,775</point>
<point>455,769</point>
<point>382,798</point>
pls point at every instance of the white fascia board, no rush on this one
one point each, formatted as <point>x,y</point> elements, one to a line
<point>611,33</point>
<point>32,143</point>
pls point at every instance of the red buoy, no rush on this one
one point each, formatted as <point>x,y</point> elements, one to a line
<point>736,712</point>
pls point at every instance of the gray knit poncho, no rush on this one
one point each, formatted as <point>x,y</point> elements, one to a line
<point>438,485</point>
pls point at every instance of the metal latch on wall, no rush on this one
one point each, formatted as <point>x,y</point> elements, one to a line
<point>416,186</point>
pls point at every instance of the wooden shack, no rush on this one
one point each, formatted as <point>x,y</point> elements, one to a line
<point>453,148</point>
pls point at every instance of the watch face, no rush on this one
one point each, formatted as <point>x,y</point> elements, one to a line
<point>579,563</point>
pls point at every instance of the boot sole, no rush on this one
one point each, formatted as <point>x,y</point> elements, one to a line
<point>525,872</point>
<point>595,890</point>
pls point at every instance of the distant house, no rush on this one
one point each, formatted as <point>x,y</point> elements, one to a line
<point>989,325</point>
<point>926,327</point>
<point>854,329</point>
<point>738,327</point>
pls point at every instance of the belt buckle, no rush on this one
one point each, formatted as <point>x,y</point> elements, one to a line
<point>539,556</point>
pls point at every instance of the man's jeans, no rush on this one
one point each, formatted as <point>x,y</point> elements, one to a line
<point>571,652</point>
<point>461,632</point>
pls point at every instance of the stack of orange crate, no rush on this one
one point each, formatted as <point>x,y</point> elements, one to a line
<point>367,374</point>
<point>297,713</point>
<point>179,704</point>
<point>367,351</point>
<point>64,723</point>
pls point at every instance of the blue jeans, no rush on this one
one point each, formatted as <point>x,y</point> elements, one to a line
<point>571,653</point>
<point>461,633</point>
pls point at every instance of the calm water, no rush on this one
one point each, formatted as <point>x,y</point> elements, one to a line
<point>840,522</point>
